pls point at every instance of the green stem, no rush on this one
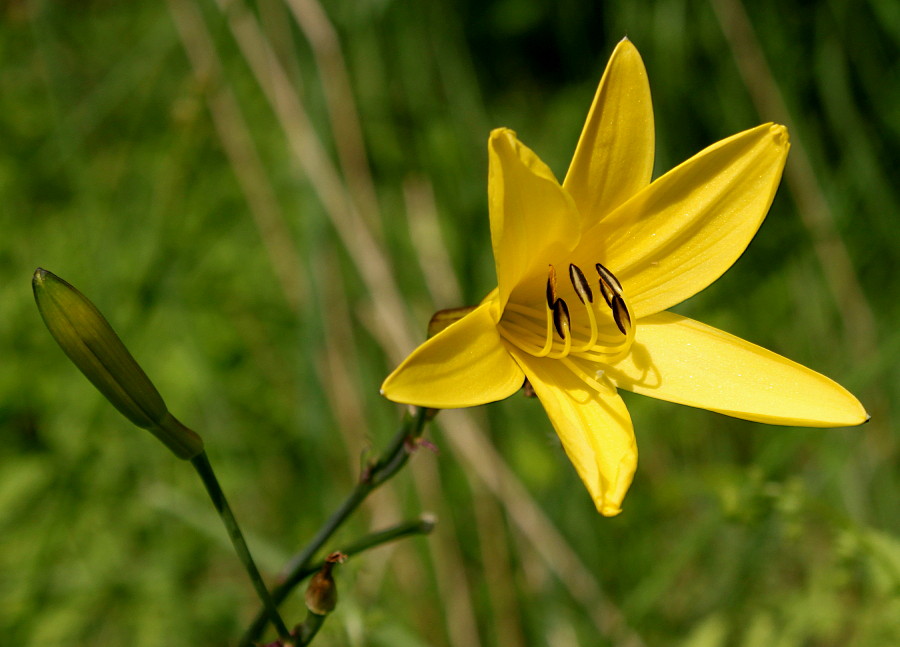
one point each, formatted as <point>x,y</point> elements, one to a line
<point>205,470</point>
<point>310,627</point>
<point>421,526</point>
<point>389,463</point>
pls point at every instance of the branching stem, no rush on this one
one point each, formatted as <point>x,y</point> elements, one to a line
<point>394,457</point>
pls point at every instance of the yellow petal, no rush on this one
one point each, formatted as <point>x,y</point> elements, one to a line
<point>614,157</point>
<point>595,430</point>
<point>681,360</point>
<point>533,220</point>
<point>682,232</point>
<point>464,365</point>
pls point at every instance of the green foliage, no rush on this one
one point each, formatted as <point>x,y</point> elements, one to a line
<point>124,168</point>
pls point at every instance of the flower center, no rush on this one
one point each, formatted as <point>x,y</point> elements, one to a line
<point>554,333</point>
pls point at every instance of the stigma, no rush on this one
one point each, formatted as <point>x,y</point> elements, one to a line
<point>597,330</point>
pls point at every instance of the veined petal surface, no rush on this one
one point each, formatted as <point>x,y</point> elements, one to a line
<point>595,429</point>
<point>464,365</point>
<point>682,232</point>
<point>533,220</point>
<point>681,360</point>
<point>614,156</point>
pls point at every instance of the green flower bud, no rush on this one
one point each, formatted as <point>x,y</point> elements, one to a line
<point>93,346</point>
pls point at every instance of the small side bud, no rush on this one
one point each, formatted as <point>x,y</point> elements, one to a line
<point>321,594</point>
<point>528,389</point>
<point>427,522</point>
<point>86,337</point>
<point>444,318</point>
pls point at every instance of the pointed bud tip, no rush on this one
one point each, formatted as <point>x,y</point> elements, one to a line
<point>780,134</point>
<point>609,510</point>
<point>427,521</point>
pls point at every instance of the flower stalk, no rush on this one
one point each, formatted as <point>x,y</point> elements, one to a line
<point>207,475</point>
<point>392,459</point>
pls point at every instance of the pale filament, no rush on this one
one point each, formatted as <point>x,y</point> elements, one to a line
<point>520,324</point>
<point>601,387</point>
<point>567,339</point>
<point>548,343</point>
<point>594,331</point>
<point>535,316</point>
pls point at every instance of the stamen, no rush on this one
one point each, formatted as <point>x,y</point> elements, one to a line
<point>551,288</point>
<point>595,332</point>
<point>621,314</point>
<point>548,338</point>
<point>607,292</point>
<point>561,317</point>
<point>589,341</point>
<point>582,289</point>
<point>609,278</point>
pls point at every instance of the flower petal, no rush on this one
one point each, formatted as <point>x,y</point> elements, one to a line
<point>681,360</point>
<point>533,220</point>
<point>682,232</point>
<point>614,157</point>
<point>464,365</point>
<point>595,429</point>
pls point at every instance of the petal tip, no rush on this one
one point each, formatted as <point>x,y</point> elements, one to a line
<point>608,509</point>
<point>779,134</point>
<point>859,415</point>
<point>624,46</point>
<point>386,385</point>
<point>502,133</point>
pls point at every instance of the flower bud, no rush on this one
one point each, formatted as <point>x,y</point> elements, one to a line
<point>93,346</point>
<point>443,318</point>
<point>321,595</point>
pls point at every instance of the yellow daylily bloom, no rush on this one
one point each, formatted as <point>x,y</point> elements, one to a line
<point>586,270</point>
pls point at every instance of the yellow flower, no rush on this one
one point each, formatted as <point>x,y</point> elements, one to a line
<point>586,271</point>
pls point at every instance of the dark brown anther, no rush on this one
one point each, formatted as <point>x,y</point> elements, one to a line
<point>609,278</point>
<point>551,288</point>
<point>621,315</point>
<point>582,289</point>
<point>607,293</point>
<point>560,315</point>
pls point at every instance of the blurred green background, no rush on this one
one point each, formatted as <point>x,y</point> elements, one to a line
<point>268,201</point>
